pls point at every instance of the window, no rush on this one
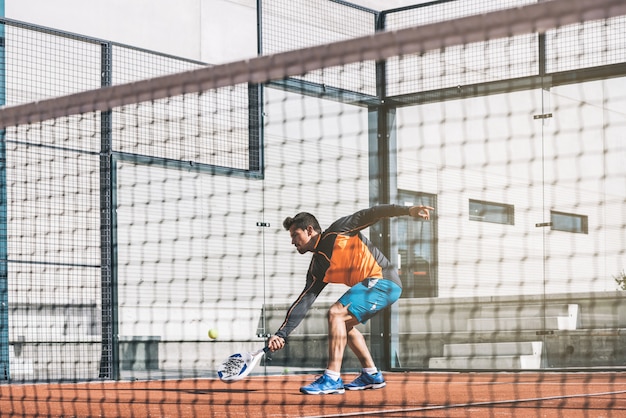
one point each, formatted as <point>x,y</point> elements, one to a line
<point>498,213</point>
<point>568,222</point>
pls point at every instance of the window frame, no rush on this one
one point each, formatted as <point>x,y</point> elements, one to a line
<point>584,222</point>
<point>508,212</point>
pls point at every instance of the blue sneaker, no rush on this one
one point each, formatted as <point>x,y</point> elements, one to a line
<point>323,385</point>
<point>367,381</point>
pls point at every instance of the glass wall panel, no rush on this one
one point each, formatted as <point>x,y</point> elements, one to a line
<point>533,282</point>
<point>585,156</point>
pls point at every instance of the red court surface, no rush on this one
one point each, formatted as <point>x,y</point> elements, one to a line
<point>568,395</point>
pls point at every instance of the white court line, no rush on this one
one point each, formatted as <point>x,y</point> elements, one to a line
<point>464,405</point>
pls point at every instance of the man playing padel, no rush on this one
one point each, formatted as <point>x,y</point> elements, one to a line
<point>342,254</point>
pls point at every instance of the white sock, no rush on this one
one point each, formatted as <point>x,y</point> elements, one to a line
<point>332,374</point>
<point>370,370</point>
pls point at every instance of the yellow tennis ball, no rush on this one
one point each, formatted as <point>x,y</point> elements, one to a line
<point>213,333</point>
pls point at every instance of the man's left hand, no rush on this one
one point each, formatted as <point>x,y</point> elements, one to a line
<point>420,211</point>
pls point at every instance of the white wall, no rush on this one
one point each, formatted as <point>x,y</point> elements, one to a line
<point>212,31</point>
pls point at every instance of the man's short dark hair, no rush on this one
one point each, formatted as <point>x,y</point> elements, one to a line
<point>301,221</point>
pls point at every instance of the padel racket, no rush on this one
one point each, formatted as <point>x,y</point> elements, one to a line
<point>239,365</point>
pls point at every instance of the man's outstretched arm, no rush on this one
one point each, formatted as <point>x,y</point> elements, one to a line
<point>367,217</point>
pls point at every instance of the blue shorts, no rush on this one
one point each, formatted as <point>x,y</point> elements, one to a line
<point>369,297</point>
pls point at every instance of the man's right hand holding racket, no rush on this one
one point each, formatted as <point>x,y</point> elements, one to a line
<point>275,343</point>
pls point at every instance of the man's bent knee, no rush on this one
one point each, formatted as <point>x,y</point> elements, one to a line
<point>337,309</point>
<point>339,312</point>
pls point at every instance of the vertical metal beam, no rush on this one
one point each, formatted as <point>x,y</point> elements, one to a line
<point>5,372</point>
<point>109,360</point>
<point>255,128</point>
<point>383,189</point>
<point>255,107</point>
<point>391,248</point>
<point>542,54</point>
<point>259,27</point>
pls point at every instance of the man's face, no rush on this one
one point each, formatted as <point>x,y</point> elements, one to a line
<point>301,238</point>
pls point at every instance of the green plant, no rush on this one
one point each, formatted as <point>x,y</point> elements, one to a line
<point>620,279</point>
